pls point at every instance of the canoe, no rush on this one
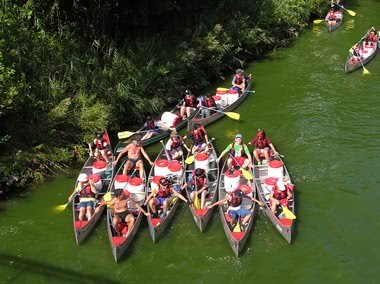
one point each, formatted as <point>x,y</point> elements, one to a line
<point>283,225</point>
<point>120,244</point>
<point>197,119</point>
<point>338,23</point>
<point>158,225</point>
<point>83,228</point>
<point>162,135</point>
<point>237,240</point>
<point>368,54</point>
<point>202,216</point>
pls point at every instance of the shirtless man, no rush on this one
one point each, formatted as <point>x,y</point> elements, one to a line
<point>121,211</point>
<point>134,151</point>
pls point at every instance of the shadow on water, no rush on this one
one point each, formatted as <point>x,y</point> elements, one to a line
<point>48,270</point>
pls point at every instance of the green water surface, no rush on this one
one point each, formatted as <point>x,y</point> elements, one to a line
<point>325,122</point>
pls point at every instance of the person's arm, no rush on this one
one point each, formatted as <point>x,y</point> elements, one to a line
<point>290,195</point>
<point>246,150</point>
<point>72,195</point>
<point>92,185</point>
<point>140,208</point>
<point>257,201</point>
<point>179,195</point>
<point>206,136</point>
<point>273,148</point>
<point>224,152</point>
<point>203,188</point>
<point>271,196</point>
<point>186,147</point>
<point>225,199</point>
<point>125,150</point>
<point>146,156</point>
<point>150,196</point>
<point>103,203</point>
<point>168,145</point>
<point>90,149</point>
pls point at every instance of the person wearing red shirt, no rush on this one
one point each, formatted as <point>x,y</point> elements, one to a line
<point>262,145</point>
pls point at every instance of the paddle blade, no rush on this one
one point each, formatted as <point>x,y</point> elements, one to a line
<point>237,228</point>
<point>318,21</point>
<point>352,13</point>
<point>125,134</point>
<point>233,115</point>
<point>365,71</point>
<point>61,208</point>
<point>189,160</point>
<point>107,197</point>
<point>246,174</point>
<point>197,202</point>
<point>288,214</point>
<point>222,89</point>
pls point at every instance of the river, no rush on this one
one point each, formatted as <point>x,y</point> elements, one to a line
<point>325,122</point>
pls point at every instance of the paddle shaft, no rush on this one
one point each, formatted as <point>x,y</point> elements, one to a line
<point>166,151</point>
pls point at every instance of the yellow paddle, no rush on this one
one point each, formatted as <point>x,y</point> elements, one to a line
<point>230,114</point>
<point>288,214</point>
<point>237,228</point>
<point>365,70</point>
<point>222,89</point>
<point>352,13</point>
<point>62,207</point>
<point>197,202</point>
<point>246,174</point>
<point>318,21</point>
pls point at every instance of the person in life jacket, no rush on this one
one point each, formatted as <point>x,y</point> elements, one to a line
<point>238,153</point>
<point>200,139</point>
<point>87,191</point>
<point>238,81</point>
<point>101,146</point>
<point>175,144</point>
<point>161,198</point>
<point>152,126</point>
<point>198,185</point>
<point>189,104</point>
<point>208,106</point>
<point>262,146</point>
<point>235,210</point>
<point>280,194</point>
<point>121,204</point>
<point>331,17</point>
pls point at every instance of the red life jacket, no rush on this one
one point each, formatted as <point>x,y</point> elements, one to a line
<point>99,144</point>
<point>150,124</point>
<point>278,194</point>
<point>175,143</point>
<point>238,80</point>
<point>210,102</point>
<point>236,200</point>
<point>331,16</point>
<point>232,151</point>
<point>163,192</point>
<point>198,182</point>
<point>261,143</point>
<point>190,102</point>
<point>199,135</point>
<point>86,192</point>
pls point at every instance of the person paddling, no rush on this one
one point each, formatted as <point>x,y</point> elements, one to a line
<point>87,192</point>
<point>235,211</point>
<point>101,146</point>
<point>280,194</point>
<point>238,153</point>
<point>189,104</point>
<point>209,105</point>
<point>200,139</point>
<point>262,145</point>
<point>134,151</point>
<point>161,197</point>
<point>121,212</point>
<point>197,185</point>
<point>175,144</point>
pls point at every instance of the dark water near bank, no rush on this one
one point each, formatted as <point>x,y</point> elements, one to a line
<point>326,124</point>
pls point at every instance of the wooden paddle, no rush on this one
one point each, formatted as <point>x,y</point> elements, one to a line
<point>246,174</point>
<point>190,159</point>
<point>352,13</point>
<point>288,214</point>
<point>232,115</point>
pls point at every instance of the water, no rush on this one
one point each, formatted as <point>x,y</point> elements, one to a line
<point>325,122</point>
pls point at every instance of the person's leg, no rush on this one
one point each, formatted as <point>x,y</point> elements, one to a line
<point>153,205</point>
<point>130,220</point>
<point>128,165</point>
<point>115,221</point>
<point>229,163</point>
<point>140,166</point>
<point>192,196</point>
<point>82,211</point>
<point>256,153</point>
<point>246,164</point>
<point>165,205</point>
<point>89,210</point>
<point>203,199</point>
<point>273,206</point>
<point>182,111</point>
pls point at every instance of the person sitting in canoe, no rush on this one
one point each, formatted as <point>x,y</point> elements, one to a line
<point>238,81</point>
<point>120,209</point>
<point>161,198</point>
<point>174,146</point>
<point>134,151</point>
<point>279,196</point>
<point>334,5</point>
<point>198,185</point>
<point>200,139</point>
<point>262,145</point>
<point>238,153</point>
<point>332,18</point>
<point>208,106</point>
<point>189,104</point>
<point>153,127</point>
<point>87,192</point>
<point>234,200</point>
<point>101,147</point>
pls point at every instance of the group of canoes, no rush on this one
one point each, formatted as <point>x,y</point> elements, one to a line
<point>119,183</point>
<point>364,50</point>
